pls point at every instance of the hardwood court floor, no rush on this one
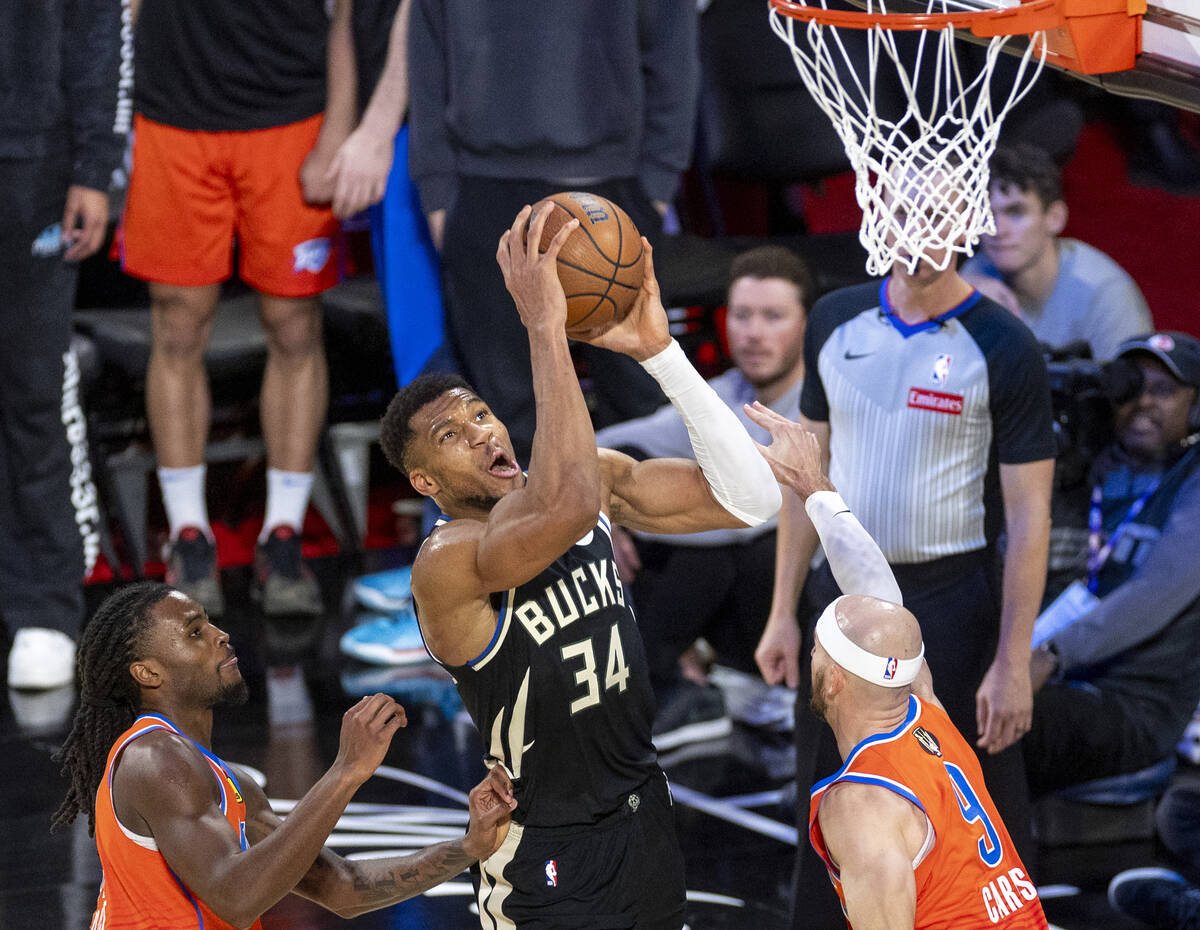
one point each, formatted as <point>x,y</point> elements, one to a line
<point>738,844</point>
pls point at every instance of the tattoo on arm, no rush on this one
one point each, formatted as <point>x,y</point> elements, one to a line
<point>386,881</point>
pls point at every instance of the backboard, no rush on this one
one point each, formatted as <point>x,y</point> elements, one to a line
<point>1168,69</point>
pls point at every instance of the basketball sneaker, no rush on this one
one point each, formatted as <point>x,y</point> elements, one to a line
<point>192,568</point>
<point>41,659</point>
<point>690,713</point>
<point>1158,897</point>
<point>428,686</point>
<point>390,639</point>
<point>283,585</point>
<point>386,591</point>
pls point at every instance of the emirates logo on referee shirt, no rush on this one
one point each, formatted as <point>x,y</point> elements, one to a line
<point>936,401</point>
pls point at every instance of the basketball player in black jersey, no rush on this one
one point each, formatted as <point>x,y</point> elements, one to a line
<point>518,596</point>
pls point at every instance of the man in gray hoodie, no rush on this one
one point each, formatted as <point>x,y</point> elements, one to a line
<point>65,80</point>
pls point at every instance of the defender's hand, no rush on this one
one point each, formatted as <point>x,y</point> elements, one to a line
<point>532,276</point>
<point>491,804</point>
<point>794,453</point>
<point>644,332</point>
<point>367,730</point>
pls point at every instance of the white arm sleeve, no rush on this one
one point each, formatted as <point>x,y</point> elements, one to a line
<point>854,557</point>
<point>739,477</point>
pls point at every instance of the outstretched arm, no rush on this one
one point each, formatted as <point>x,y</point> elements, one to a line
<point>797,460</point>
<point>353,887</point>
<point>728,484</point>
<point>560,501</point>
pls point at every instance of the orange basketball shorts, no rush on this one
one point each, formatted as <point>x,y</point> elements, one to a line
<point>191,194</point>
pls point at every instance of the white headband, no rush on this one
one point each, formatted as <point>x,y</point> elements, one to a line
<point>887,671</point>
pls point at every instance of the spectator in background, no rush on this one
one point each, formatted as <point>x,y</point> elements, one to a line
<point>1065,290</point>
<point>717,584</point>
<point>62,133</point>
<point>230,143</point>
<point>525,98</point>
<point>1120,648</point>
<point>371,172</point>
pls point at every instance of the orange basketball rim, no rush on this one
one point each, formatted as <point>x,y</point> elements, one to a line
<point>1087,36</point>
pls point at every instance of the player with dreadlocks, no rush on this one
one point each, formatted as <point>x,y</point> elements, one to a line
<point>183,835</point>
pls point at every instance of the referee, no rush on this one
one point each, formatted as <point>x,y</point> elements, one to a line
<point>933,405</point>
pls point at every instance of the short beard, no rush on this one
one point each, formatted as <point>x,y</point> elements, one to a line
<point>816,702</point>
<point>234,695</point>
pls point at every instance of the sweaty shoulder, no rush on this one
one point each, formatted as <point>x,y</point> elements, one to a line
<point>855,817</point>
<point>447,553</point>
<point>157,770</point>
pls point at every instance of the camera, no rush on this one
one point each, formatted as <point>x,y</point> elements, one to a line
<point>1084,394</point>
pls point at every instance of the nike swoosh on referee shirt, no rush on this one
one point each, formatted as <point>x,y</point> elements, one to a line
<point>853,355</point>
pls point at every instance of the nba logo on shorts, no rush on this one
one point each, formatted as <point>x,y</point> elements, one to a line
<point>889,670</point>
<point>551,873</point>
<point>941,370</point>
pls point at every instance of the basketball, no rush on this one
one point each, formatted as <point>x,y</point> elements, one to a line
<point>600,264</point>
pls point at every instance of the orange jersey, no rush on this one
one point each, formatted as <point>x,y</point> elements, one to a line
<point>139,891</point>
<point>968,873</point>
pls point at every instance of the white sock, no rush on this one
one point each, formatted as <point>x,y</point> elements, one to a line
<point>287,499</point>
<point>183,498</point>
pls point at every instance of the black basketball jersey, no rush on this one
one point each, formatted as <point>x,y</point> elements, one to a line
<point>561,695</point>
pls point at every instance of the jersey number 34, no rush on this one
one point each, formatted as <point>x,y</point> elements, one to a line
<point>616,672</point>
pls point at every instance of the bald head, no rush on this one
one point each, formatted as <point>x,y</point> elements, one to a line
<point>875,644</point>
<point>878,627</point>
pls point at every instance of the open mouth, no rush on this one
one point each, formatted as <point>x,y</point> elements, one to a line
<point>231,661</point>
<point>502,466</point>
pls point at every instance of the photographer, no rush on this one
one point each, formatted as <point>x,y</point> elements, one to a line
<point>1117,670</point>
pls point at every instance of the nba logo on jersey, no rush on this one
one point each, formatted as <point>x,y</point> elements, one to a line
<point>941,370</point>
<point>551,873</point>
<point>889,670</point>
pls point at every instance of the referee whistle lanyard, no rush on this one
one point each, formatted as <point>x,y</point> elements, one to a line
<point>1097,554</point>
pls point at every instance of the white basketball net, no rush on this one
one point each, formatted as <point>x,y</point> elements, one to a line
<point>922,179</point>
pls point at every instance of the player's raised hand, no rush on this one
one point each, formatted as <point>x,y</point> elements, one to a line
<point>530,275</point>
<point>645,331</point>
<point>491,804</point>
<point>367,730</point>
<point>794,453</point>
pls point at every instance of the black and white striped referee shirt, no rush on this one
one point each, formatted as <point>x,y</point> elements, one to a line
<point>920,416</point>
